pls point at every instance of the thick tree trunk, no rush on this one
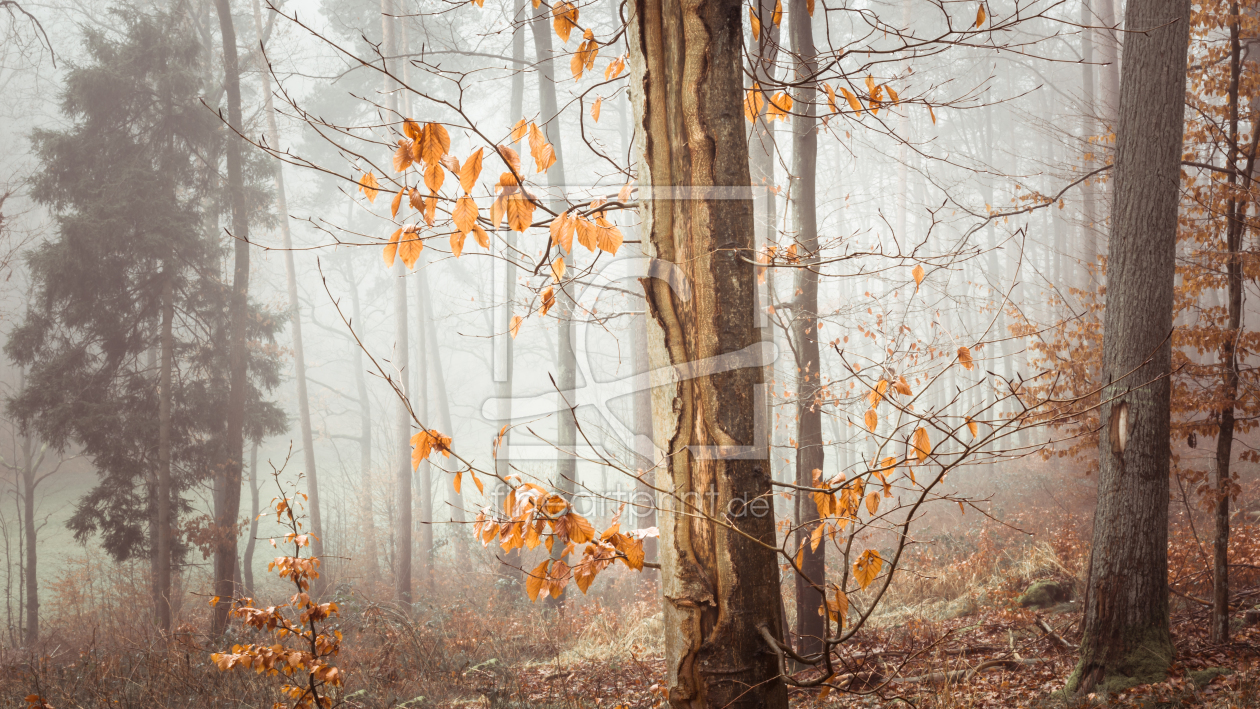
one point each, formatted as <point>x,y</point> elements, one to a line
<point>720,585</point>
<point>295,317</point>
<point>229,493</point>
<point>811,627</point>
<point>164,521</point>
<point>1126,637</point>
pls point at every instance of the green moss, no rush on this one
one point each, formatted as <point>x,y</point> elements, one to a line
<point>1045,593</point>
<point>1146,663</point>
<point>1202,678</point>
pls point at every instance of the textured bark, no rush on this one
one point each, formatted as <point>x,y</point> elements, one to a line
<point>164,531</point>
<point>811,627</point>
<point>320,585</point>
<point>1126,637</point>
<point>1218,625</point>
<point>228,497</point>
<point>719,585</point>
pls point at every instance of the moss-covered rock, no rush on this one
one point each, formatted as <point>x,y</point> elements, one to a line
<point>1202,678</point>
<point>1045,594</point>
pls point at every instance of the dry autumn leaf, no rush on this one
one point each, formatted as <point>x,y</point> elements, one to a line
<point>919,275</point>
<point>922,444</point>
<point>369,186</point>
<point>872,420</point>
<point>980,15</point>
<point>566,19</point>
<point>866,568</point>
<point>471,170</point>
<point>515,327</point>
<point>964,358</point>
<point>599,101</point>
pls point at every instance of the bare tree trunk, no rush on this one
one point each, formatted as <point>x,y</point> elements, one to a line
<point>1218,625</point>
<point>720,585</point>
<point>1126,636</point>
<point>455,500</point>
<point>1089,129</point>
<point>402,421</point>
<point>164,521</point>
<point>566,369</point>
<point>30,575</point>
<point>366,486</point>
<point>811,627</point>
<point>229,492</point>
<point>320,585</point>
<point>247,559</point>
<point>422,401</point>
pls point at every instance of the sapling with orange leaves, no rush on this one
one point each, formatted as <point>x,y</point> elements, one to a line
<point>306,664</point>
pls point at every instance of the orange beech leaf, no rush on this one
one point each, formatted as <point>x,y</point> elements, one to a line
<point>866,568</point>
<point>566,19</point>
<point>872,420</point>
<point>964,357</point>
<point>753,103</point>
<point>971,426</point>
<point>459,476</point>
<point>411,129</point>
<point>872,503</point>
<point>599,101</point>
<point>393,206</point>
<point>562,228</point>
<point>548,300</point>
<point>854,103</point>
<point>428,441</point>
<point>980,16</point>
<point>402,157</point>
<point>465,214</point>
<point>391,249</point>
<point>918,274</point>
<point>777,16</point>
<point>457,243</point>
<point>754,23</point>
<point>557,269</point>
<point>520,212</point>
<point>471,170</point>
<point>520,130</point>
<point>369,186</point>
<point>922,444</point>
<point>515,327</point>
<point>534,582</point>
<point>434,143</point>
<point>483,239</point>
<point>410,246</point>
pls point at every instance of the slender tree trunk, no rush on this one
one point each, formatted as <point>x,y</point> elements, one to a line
<point>1089,129</point>
<point>320,584</point>
<point>165,531</point>
<point>366,484</point>
<point>422,401</point>
<point>229,497</point>
<point>566,369</point>
<point>1218,625</point>
<point>30,574</point>
<point>811,627</point>
<point>504,380</point>
<point>440,396</point>
<point>720,586</point>
<point>1126,636</point>
<point>402,421</point>
<point>247,561</point>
